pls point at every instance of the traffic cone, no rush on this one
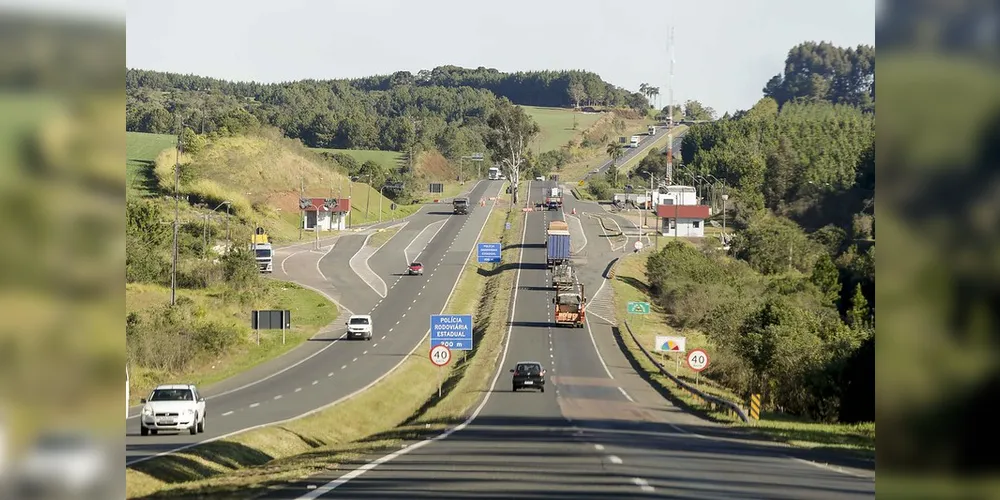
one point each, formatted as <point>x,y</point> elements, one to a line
<point>574,211</point>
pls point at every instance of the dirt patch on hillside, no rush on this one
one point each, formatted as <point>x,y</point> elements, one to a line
<point>435,166</point>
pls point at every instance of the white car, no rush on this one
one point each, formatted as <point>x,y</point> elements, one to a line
<point>174,407</point>
<point>66,464</point>
<point>359,326</point>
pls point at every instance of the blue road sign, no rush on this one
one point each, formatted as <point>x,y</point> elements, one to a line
<point>452,330</point>
<point>506,225</point>
<point>488,252</point>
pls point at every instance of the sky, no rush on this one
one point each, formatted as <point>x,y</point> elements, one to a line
<point>724,50</point>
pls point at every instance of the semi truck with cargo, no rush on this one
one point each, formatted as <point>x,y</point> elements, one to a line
<point>570,307</point>
<point>460,206</point>
<point>557,244</point>
<point>562,277</point>
<point>263,252</point>
<point>554,201</point>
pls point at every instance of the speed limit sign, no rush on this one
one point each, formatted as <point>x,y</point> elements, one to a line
<point>697,360</point>
<point>440,355</point>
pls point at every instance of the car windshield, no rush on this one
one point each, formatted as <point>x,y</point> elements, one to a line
<point>359,321</point>
<point>528,369</point>
<point>171,395</point>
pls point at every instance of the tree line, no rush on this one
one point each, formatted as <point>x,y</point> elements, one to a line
<point>444,109</point>
<point>792,316</point>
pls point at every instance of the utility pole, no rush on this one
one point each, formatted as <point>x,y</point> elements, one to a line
<point>670,113</point>
<point>177,214</point>
<point>302,213</point>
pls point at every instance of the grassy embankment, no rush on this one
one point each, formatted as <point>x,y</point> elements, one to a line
<point>585,159</point>
<point>556,126</point>
<point>261,174</point>
<point>430,167</point>
<point>310,312</point>
<point>404,405</point>
<point>629,285</point>
<point>381,236</point>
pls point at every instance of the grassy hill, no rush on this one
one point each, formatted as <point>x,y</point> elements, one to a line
<point>385,158</point>
<point>261,174</point>
<point>556,126</point>
<point>141,150</point>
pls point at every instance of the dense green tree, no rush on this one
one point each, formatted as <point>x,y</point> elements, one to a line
<point>695,110</point>
<point>824,72</point>
<point>826,277</point>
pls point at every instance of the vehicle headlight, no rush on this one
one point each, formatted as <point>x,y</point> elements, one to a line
<point>146,410</point>
<point>189,411</point>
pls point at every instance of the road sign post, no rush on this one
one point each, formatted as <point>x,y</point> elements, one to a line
<point>487,253</point>
<point>640,308</point>
<point>440,355</point>
<point>697,360</point>
<point>453,331</point>
<point>755,406</point>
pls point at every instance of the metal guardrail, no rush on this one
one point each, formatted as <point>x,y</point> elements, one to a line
<point>715,401</point>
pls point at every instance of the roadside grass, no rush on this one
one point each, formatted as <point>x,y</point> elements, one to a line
<point>388,159</point>
<point>141,150</point>
<point>402,406</point>
<point>591,158</point>
<point>310,312</point>
<point>556,126</point>
<point>630,285</point>
<point>381,236</point>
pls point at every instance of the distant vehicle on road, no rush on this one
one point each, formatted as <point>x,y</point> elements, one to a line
<point>554,200</point>
<point>633,141</point>
<point>494,174</point>
<point>263,251</point>
<point>557,244</point>
<point>173,407</point>
<point>651,129</point>
<point>571,307</point>
<point>66,464</point>
<point>562,277</point>
<point>460,206</point>
<point>359,326</point>
<point>415,268</point>
<point>528,374</point>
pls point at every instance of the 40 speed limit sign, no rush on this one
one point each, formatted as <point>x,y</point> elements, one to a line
<point>440,355</point>
<point>697,360</point>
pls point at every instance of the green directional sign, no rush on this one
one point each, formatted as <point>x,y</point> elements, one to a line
<point>638,307</point>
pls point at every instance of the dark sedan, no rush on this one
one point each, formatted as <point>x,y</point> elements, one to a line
<point>528,374</point>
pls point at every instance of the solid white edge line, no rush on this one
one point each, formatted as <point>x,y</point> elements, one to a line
<point>350,263</point>
<point>289,256</point>
<point>360,471</point>
<point>629,398</point>
<point>320,259</point>
<point>583,232</point>
<point>369,257</point>
<point>406,254</point>
<point>594,342</point>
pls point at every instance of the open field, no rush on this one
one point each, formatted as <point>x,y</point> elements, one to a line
<point>388,159</point>
<point>629,285</point>
<point>310,310</point>
<point>141,150</point>
<point>404,405</point>
<point>556,126</point>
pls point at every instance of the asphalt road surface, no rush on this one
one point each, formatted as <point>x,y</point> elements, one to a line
<point>642,150</point>
<point>322,373</point>
<point>597,432</point>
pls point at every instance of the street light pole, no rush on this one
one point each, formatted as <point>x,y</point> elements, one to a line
<point>177,211</point>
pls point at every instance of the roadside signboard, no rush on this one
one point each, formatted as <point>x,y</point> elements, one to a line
<point>638,307</point>
<point>637,246</point>
<point>488,252</point>
<point>670,343</point>
<point>453,331</point>
<point>697,360</point>
<point>440,355</point>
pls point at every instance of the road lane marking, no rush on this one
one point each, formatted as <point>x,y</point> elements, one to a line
<point>383,337</point>
<point>343,367</point>
<point>614,459</point>
<point>315,382</point>
<point>228,413</point>
<point>626,395</point>
<point>329,374</point>
<point>594,341</point>
<point>374,345</point>
<point>366,352</point>
<point>643,484</point>
<point>286,258</point>
<point>254,405</point>
<point>298,389</point>
<point>599,447</point>
<point>353,360</point>
<point>277,397</point>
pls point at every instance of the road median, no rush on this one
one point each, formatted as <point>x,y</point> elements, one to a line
<point>404,405</point>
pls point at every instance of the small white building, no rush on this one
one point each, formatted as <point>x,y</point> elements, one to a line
<point>688,221</point>
<point>675,195</point>
<point>326,218</point>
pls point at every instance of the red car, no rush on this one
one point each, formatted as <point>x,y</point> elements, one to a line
<point>416,268</point>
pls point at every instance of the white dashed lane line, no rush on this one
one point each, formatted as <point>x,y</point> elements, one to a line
<point>298,389</point>
<point>254,405</point>
<point>315,382</point>
<point>329,374</point>
<point>383,337</point>
<point>230,412</point>
<point>277,397</point>
<point>375,344</point>
<point>366,352</point>
<point>599,447</point>
<point>614,459</point>
<point>353,360</point>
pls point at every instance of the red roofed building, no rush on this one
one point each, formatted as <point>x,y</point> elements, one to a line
<point>689,220</point>
<point>327,216</point>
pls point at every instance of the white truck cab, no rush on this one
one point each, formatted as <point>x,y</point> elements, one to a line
<point>359,326</point>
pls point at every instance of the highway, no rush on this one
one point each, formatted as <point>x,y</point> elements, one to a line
<point>326,369</point>
<point>598,432</point>
<point>642,150</point>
